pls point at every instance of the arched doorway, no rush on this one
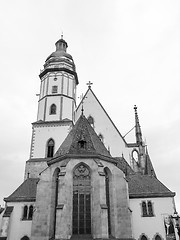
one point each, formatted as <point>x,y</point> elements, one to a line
<point>81,200</point>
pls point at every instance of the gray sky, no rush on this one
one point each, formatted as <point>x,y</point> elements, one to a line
<point>130,51</point>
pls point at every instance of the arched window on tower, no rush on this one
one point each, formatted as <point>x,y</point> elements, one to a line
<point>50,148</point>
<point>52,109</point>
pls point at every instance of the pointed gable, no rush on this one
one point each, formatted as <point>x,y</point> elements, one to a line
<point>103,124</point>
<point>83,140</point>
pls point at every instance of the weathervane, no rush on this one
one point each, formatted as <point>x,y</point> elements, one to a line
<point>89,84</point>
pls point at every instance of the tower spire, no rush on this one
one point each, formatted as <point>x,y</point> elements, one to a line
<point>139,140</point>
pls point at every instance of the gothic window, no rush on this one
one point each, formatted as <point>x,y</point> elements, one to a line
<point>30,212</point>
<point>54,89</point>
<point>52,109</point>
<point>147,209</point>
<point>50,148</point>
<point>25,212</point>
<point>135,155</point>
<point>150,209</point>
<point>107,181</point>
<point>25,238</point>
<point>157,237</point>
<point>143,237</point>
<point>81,200</point>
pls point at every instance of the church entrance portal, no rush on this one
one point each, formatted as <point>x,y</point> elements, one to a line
<point>81,200</point>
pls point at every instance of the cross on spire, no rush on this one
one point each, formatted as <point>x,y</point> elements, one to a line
<point>89,84</point>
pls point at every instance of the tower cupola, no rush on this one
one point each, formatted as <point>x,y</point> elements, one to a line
<point>61,45</point>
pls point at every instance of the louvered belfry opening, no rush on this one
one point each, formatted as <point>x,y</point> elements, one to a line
<point>81,200</point>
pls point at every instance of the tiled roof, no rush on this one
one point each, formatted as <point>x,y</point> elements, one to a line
<point>8,211</point>
<point>149,170</point>
<point>146,186</point>
<point>124,166</point>
<point>25,192</point>
<point>82,132</point>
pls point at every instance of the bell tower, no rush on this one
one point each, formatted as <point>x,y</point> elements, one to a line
<point>56,105</point>
<point>57,97</point>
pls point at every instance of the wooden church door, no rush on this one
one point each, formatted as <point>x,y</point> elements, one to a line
<point>81,200</point>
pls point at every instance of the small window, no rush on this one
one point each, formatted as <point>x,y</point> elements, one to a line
<point>82,144</point>
<point>30,212</point>
<point>101,137</point>
<point>147,209</point>
<point>52,109</point>
<point>91,121</point>
<point>25,212</point>
<point>54,89</point>
<point>50,148</point>
<point>144,209</point>
<point>150,209</point>
<point>157,237</point>
<point>143,237</point>
<point>25,238</point>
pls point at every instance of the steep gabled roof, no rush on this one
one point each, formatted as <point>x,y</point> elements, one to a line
<point>149,170</point>
<point>25,192</point>
<point>97,100</point>
<point>142,186</point>
<point>82,140</point>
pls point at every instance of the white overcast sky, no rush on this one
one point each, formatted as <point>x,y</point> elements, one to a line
<point>130,50</point>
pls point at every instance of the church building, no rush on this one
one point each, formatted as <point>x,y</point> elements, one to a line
<point>83,180</point>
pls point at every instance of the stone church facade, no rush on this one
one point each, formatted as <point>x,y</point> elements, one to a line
<point>83,180</point>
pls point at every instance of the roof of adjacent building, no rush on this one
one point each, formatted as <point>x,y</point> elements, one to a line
<point>25,192</point>
<point>141,186</point>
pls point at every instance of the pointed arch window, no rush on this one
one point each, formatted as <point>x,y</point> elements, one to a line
<point>81,200</point>
<point>143,237</point>
<point>107,186</point>
<point>157,237</point>
<point>50,148</point>
<point>147,209</point>
<point>52,109</point>
<point>30,212</point>
<point>25,212</point>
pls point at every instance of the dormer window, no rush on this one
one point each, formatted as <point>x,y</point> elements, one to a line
<point>54,89</point>
<point>91,121</point>
<point>82,144</point>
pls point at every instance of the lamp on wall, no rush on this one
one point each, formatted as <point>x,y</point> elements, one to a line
<point>176,217</point>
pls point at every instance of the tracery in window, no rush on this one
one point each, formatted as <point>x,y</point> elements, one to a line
<point>52,109</point>
<point>27,212</point>
<point>50,148</point>
<point>81,200</point>
<point>147,209</point>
